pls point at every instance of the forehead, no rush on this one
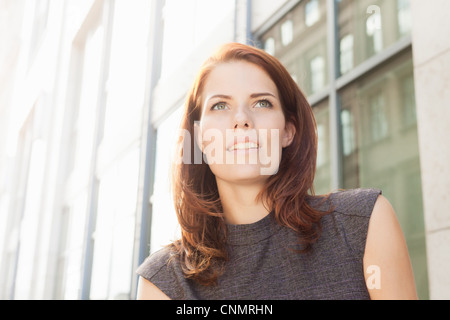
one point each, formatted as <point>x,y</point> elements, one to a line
<point>238,77</point>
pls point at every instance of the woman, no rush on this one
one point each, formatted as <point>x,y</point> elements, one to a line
<point>251,227</point>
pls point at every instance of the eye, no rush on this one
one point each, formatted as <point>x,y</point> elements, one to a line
<point>264,104</point>
<point>219,106</point>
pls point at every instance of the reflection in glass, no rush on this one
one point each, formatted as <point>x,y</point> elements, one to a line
<point>321,151</point>
<point>374,31</point>
<point>317,72</point>
<point>348,132</point>
<point>373,24</point>
<point>378,118</point>
<point>409,103</point>
<point>269,46</point>
<point>312,12</point>
<point>299,41</point>
<point>381,151</point>
<point>346,53</point>
<point>286,32</point>
<point>404,16</point>
<point>322,180</point>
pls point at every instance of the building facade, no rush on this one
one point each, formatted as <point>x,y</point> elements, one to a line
<point>92,93</point>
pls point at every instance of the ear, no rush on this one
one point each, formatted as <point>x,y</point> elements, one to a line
<point>288,135</point>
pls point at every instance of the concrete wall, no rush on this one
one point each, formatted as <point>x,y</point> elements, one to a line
<point>431,49</point>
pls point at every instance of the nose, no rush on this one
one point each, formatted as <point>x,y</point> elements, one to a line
<point>242,119</point>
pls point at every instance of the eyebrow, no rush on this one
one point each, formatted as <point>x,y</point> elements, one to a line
<point>221,96</point>
<point>254,95</point>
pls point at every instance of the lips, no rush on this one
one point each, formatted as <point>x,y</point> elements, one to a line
<point>243,142</point>
<point>243,146</point>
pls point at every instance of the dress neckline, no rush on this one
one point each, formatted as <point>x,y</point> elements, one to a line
<point>247,234</point>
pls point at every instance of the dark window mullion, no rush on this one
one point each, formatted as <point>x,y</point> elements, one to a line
<point>334,108</point>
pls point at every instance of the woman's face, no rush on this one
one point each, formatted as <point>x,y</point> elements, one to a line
<point>242,129</point>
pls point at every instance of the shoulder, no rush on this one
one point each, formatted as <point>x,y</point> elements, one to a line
<point>156,264</point>
<point>386,250</point>
<point>349,217</point>
<point>157,276</point>
<point>355,202</point>
<point>146,290</point>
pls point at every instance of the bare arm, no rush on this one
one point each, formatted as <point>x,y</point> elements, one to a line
<point>386,256</point>
<point>148,291</point>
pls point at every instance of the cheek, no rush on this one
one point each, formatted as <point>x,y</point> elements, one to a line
<point>214,123</point>
<point>275,128</point>
<point>212,140</point>
<point>273,120</point>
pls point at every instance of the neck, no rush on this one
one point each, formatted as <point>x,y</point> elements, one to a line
<point>239,202</point>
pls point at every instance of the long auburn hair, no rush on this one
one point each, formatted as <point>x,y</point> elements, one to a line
<point>202,248</point>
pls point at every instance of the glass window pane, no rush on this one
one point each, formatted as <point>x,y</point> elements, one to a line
<point>374,32</point>
<point>114,232</point>
<point>404,16</point>
<point>207,19</point>
<point>346,53</point>
<point>378,117</point>
<point>322,182</point>
<point>348,132</point>
<point>299,41</point>
<point>312,12</point>
<point>117,166</point>
<point>409,103</point>
<point>29,233</point>
<point>380,149</point>
<point>164,220</point>
<point>317,73</point>
<point>286,32</point>
<point>373,25</point>
<point>269,46</point>
<point>75,237</point>
<point>82,139</point>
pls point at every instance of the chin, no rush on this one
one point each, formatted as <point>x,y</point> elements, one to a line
<point>242,173</point>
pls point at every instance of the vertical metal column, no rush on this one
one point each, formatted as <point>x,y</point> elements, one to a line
<point>334,106</point>
<point>147,162</point>
<point>242,29</point>
<point>249,34</point>
<point>107,16</point>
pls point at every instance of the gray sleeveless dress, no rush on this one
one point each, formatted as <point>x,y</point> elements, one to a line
<point>262,266</point>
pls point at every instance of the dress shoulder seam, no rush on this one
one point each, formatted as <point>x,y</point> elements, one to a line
<point>353,214</point>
